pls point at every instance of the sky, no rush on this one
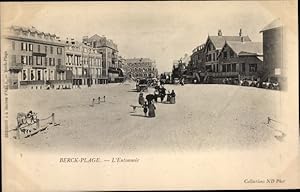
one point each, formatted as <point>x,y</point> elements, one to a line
<point>162,31</point>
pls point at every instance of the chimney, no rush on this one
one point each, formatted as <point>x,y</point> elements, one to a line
<point>219,32</point>
<point>240,32</point>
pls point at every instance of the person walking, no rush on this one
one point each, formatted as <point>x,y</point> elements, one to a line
<point>152,109</point>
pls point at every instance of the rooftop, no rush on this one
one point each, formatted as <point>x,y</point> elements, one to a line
<point>30,29</point>
<point>219,41</point>
<point>246,48</point>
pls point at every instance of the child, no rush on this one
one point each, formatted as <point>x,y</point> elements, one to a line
<point>145,109</point>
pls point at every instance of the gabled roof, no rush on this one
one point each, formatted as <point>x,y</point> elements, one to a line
<point>274,24</point>
<point>246,48</point>
<point>219,41</point>
<point>96,36</point>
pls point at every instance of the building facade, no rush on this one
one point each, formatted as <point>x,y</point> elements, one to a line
<point>213,46</point>
<point>109,51</point>
<point>83,64</point>
<point>238,59</point>
<point>35,59</point>
<point>198,58</point>
<point>141,68</point>
<point>273,39</point>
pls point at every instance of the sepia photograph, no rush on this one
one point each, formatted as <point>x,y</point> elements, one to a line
<point>149,95</point>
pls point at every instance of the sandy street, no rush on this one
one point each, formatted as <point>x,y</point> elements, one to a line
<point>205,117</point>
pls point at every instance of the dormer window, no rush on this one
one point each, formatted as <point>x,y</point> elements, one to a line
<point>231,54</point>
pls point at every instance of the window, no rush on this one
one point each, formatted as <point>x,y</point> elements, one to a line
<point>46,61</point>
<point>53,61</point>
<point>243,67</point>
<point>59,50</point>
<point>234,67</point>
<point>23,46</point>
<point>39,75</point>
<point>13,58</point>
<point>252,67</point>
<point>39,48</point>
<point>13,45</point>
<point>24,75</point>
<point>23,59</point>
<point>223,68</point>
<point>228,67</point>
<point>46,49</point>
<point>214,56</point>
<point>209,57</point>
<point>59,61</point>
<point>50,61</point>
<point>225,55</point>
<point>30,47</point>
<point>51,50</point>
<point>39,60</point>
<point>31,75</point>
<point>231,54</point>
<point>30,60</point>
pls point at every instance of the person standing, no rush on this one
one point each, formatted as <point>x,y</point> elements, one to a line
<point>162,93</point>
<point>173,95</point>
<point>141,99</point>
<point>145,106</point>
<point>152,109</point>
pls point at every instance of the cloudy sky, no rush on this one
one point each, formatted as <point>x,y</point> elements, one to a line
<point>163,31</point>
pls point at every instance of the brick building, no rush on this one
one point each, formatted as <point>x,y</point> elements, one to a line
<point>141,68</point>
<point>35,59</point>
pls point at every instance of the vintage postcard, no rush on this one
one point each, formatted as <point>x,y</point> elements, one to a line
<point>150,95</point>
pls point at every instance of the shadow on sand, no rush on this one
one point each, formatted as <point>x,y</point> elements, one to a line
<point>138,115</point>
<point>133,90</point>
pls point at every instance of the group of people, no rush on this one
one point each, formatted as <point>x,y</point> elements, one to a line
<point>148,102</point>
<point>148,105</point>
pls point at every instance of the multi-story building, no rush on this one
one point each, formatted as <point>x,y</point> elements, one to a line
<point>239,59</point>
<point>213,46</point>
<point>274,64</point>
<point>84,64</point>
<point>141,68</point>
<point>198,58</point>
<point>36,59</point>
<point>109,51</point>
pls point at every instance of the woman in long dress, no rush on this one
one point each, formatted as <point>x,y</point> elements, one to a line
<point>151,108</point>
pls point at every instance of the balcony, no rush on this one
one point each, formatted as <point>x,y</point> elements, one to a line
<point>38,82</point>
<point>52,82</point>
<point>15,67</point>
<point>61,68</point>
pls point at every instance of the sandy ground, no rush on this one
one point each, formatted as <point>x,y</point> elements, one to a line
<point>205,117</point>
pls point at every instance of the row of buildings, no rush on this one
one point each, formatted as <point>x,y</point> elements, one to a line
<point>236,57</point>
<point>38,60</point>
